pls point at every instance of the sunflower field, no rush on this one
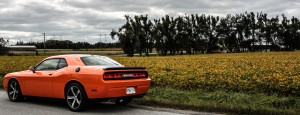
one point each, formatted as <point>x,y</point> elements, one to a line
<point>269,73</point>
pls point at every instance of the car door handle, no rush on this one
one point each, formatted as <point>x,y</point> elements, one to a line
<point>50,73</point>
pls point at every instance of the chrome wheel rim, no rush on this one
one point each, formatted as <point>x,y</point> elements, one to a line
<point>13,93</point>
<point>74,97</point>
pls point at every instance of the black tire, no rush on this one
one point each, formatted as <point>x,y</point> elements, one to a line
<point>123,101</point>
<point>76,97</point>
<point>14,92</point>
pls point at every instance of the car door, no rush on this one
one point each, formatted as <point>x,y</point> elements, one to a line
<point>40,82</point>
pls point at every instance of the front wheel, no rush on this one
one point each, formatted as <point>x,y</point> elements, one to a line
<point>123,101</point>
<point>14,92</point>
<point>75,97</point>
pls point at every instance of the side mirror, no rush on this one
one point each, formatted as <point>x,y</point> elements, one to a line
<point>32,68</point>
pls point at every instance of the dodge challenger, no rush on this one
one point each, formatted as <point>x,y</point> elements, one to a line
<point>78,79</point>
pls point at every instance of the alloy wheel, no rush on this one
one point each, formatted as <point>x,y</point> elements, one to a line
<point>13,92</point>
<point>74,97</point>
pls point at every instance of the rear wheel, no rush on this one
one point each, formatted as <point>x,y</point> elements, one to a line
<point>75,97</point>
<point>14,92</point>
<point>123,101</point>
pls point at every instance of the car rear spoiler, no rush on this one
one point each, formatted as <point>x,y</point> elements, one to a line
<point>123,68</point>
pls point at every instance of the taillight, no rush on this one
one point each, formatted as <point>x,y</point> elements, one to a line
<point>143,74</point>
<point>125,75</point>
<point>117,75</point>
<point>108,76</point>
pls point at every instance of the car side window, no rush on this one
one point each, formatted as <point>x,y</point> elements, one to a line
<point>62,63</point>
<point>50,64</point>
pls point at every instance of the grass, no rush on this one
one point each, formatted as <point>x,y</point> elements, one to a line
<point>220,101</point>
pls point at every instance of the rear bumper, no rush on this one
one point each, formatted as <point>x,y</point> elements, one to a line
<point>117,88</point>
<point>121,91</point>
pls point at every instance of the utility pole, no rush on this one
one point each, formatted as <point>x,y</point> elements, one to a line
<point>105,37</point>
<point>44,43</point>
<point>100,38</point>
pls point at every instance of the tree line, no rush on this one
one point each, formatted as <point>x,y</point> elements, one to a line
<point>67,44</point>
<point>207,34</point>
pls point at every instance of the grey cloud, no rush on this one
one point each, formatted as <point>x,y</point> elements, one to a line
<point>111,5</point>
<point>32,13</point>
<point>78,19</point>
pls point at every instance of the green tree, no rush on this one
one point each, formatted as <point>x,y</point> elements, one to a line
<point>3,44</point>
<point>253,27</point>
<point>213,35</point>
<point>127,37</point>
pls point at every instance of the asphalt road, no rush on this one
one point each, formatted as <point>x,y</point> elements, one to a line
<point>37,106</point>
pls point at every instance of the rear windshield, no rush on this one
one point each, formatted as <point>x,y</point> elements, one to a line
<point>99,61</point>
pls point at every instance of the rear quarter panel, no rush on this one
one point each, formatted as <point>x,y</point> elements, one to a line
<point>89,78</point>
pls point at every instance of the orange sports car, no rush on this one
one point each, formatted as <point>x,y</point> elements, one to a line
<point>78,79</point>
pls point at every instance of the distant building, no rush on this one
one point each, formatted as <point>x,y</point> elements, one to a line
<point>22,48</point>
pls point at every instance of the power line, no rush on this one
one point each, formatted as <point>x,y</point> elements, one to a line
<point>44,43</point>
<point>100,37</point>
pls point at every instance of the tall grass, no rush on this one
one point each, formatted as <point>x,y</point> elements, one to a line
<point>221,101</point>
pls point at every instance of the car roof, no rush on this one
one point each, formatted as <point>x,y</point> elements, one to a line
<point>72,59</point>
<point>71,55</point>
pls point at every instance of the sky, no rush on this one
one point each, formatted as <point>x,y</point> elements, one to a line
<point>90,20</point>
